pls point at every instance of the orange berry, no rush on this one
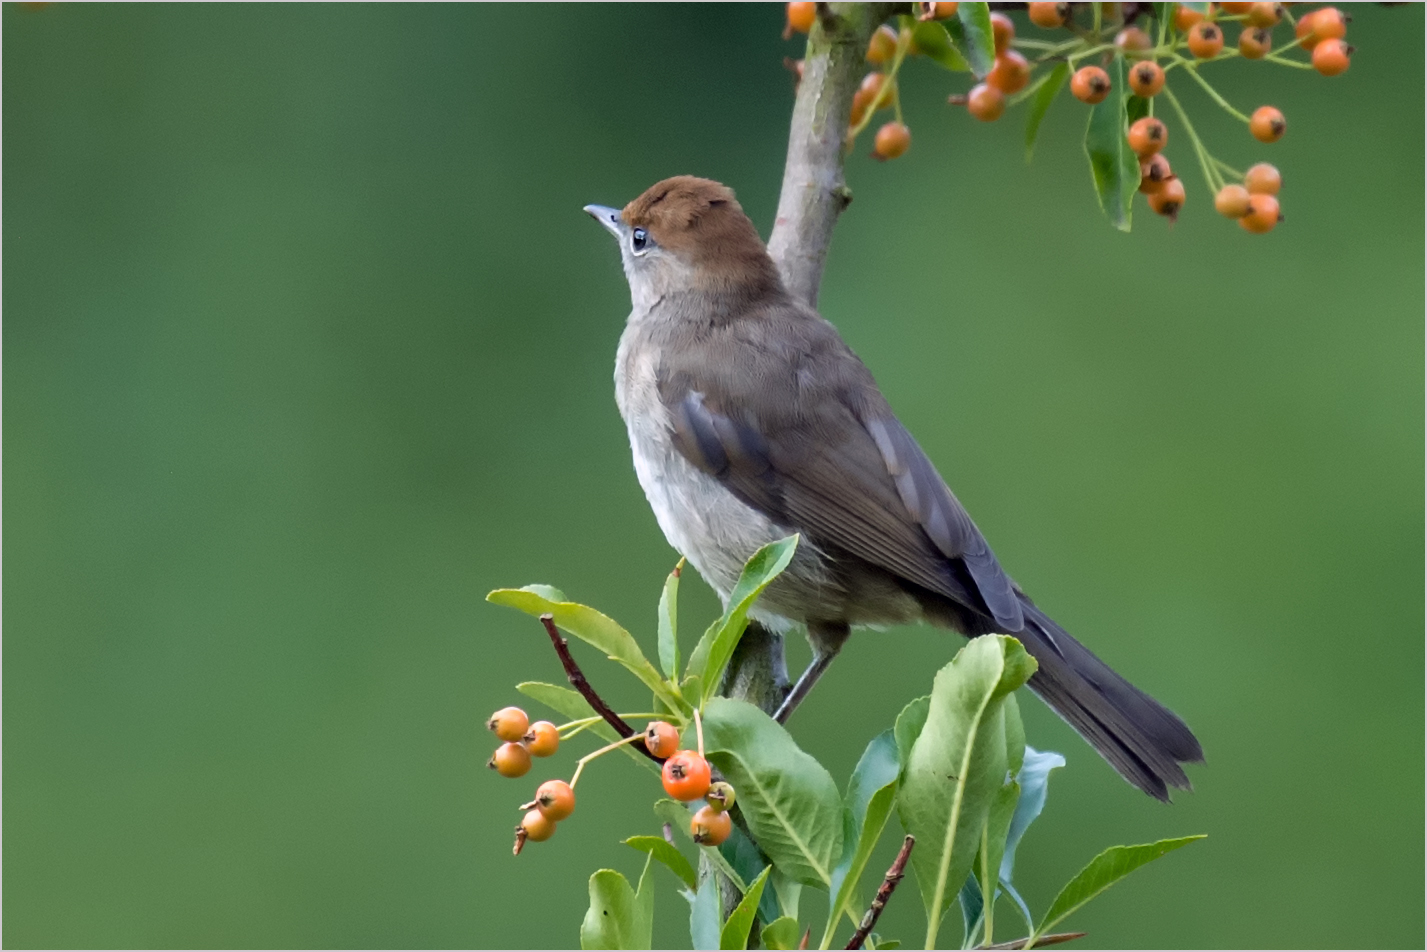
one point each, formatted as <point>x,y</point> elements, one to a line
<point>1255,42</point>
<point>1011,72</point>
<point>1330,57</point>
<point>1090,84</point>
<point>1206,40</point>
<point>555,799</point>
<point>1132,40</point>
<point>1329,23</point>
<point>1154,173</point>
<point>537,826</point>
<point>871,85</point>
<point>661,739</point>
<point>1267,124</point>
<point>892,140</point>
<point>1264,15</point>
<point>1147,136</point>
<point>543,739</point>
<point>509,724</point>
<point>1168,199</point>
<point>1236,9</point>
<point>686,776</point>
<point>1263,179</point>
<point>1048,16</point>
<point>1232,201</point>
<point>720,795</point>
<point>935,11</point>
<point>801,16</point>
<point>510,760</point>
<point>1003,31</point>
<point>985,102</point>
<point>1263,215</point>
<point>1146,78</point>
<point>883,46</point>
<point>1185,17</point>
<point>710,827</point>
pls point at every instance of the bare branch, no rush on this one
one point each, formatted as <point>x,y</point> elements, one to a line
<point>884,892</point>
<point>814,190</point>
<point>579,683</point>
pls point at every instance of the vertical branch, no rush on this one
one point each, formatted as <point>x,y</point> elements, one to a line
<point>814,194</point>
<point>814,190</point>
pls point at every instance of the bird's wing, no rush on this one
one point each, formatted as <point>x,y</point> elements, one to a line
<point>823,453</point>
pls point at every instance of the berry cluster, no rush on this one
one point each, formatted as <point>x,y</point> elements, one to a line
<point>686,774</point>
<point>1188,36</point>
<point>523,740</point>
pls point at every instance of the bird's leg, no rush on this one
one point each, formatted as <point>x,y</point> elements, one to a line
<point>826,639</point>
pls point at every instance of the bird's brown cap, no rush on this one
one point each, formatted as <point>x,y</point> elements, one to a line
<point>701,221</point>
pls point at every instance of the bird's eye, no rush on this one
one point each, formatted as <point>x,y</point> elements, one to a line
<point>639,241</point>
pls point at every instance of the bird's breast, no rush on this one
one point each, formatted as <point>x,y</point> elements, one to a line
<point>709,525</point>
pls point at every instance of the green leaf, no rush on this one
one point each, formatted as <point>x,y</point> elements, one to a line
<point>740,922</point>
<point>782,933</point>
<point>573,705</point>
<point>1040,102</point>
<point>787,891</point>
<point>704,915</point>
<point>664,851</point>
<point>644,905</point>
<point>592,627</point>
<point>986,867</point>
<point>972,33</point>
<point>669,624</point>
<point>693,686</point>
<point>909,727</point>
<point>934,42</point>
<point>748,861</point>
<point>1034,777</point>
<point>1104,871</point>
<point>788,799</point>
<point>616,919</point>
<point>1136,107</point>
<point>547,592</point>
<point>958,765</point>
<point>870,794</point>
<point>1114,167</point>
<point>715,648</point>
<point>1015,737</point>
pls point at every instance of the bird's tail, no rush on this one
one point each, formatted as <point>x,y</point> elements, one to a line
<point>1138,736</point>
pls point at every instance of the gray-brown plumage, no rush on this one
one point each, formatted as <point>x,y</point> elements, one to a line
<point>751,419</point>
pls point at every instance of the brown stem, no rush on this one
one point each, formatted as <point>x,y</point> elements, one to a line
<point>884,892</point>
<point>579,683</point>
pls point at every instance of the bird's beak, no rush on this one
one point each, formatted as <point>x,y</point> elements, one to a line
<point>609,217</point>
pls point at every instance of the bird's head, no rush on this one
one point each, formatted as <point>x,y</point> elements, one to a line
<point>688,234</point>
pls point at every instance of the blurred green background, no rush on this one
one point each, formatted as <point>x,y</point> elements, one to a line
<point>308,345</point>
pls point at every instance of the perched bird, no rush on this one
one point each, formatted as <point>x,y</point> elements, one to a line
<point>750,419</point>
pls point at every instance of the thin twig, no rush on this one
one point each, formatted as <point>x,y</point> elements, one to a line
<point>884,892</point>
<point>579,683</point>
<point>1055,938</point>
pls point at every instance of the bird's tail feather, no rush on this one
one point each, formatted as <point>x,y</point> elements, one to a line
<point>1137,735</point>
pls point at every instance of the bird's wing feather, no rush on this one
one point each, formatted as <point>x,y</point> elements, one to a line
<point>824,454</point>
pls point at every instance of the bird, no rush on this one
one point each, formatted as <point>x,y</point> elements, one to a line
<point>750,419</point>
